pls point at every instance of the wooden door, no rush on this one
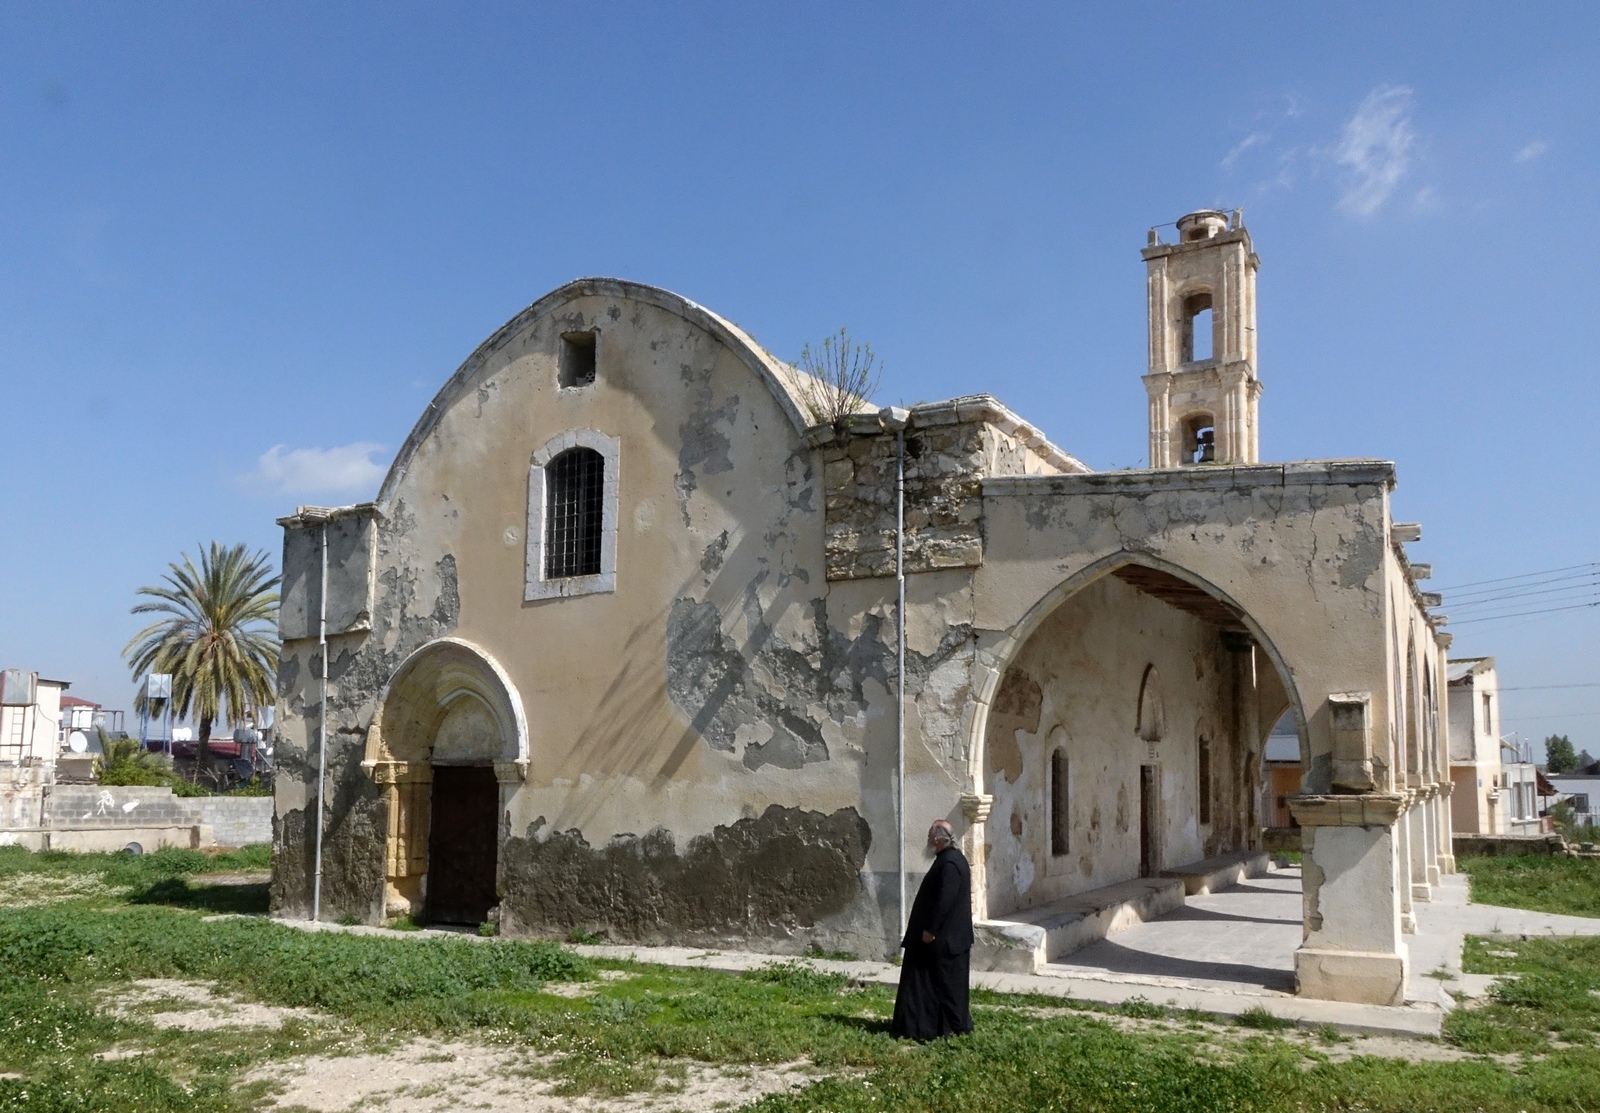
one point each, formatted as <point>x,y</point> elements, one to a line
<point>1149,821</point>
<point>463,840</point>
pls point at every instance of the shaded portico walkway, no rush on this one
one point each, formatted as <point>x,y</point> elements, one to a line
<point>1242,940</point>
<point>1239,940</point>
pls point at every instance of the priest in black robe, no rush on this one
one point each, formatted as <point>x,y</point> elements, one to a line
<point>932,999</point>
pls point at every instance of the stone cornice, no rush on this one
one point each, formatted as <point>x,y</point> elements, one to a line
<point>1309,473</point>
<point>1377,809</point>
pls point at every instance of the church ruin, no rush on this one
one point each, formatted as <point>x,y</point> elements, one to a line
<point>615,650</point>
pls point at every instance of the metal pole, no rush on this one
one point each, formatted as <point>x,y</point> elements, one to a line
<point>322,723</point>
<point>900,656</point>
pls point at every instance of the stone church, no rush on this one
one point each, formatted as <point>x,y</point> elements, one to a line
<point>617,649</point>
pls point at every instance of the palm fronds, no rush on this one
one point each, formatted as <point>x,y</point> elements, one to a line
<point>218,637</point>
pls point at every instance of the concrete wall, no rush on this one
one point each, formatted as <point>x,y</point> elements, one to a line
<point>233,820</point>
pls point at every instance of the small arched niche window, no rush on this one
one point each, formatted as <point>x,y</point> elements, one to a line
<point>1152,709</point>
<point>1200,440</point>
<point>1060,803</point>
<point>1197,327</point>
<point>572,517</point>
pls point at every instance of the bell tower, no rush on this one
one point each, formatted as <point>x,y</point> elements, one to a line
<point>1203,388</point>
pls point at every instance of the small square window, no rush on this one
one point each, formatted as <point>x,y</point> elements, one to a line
<point>577,359</point>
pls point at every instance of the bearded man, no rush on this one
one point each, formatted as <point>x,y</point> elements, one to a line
<point>932,999</point>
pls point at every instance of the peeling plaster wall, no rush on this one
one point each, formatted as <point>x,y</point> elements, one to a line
<point>1076,686</point>
<point>414,601</point>
<point>1301,548</point>
<point>667,719</point>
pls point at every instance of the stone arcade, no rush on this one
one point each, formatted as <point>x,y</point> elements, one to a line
<point>614,651</point>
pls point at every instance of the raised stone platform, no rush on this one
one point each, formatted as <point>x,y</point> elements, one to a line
<point>1211,874</point>
<point>1025,941</point>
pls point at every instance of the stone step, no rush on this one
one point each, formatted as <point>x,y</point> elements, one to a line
<point>1211,874</point>
<point>1025,941</point>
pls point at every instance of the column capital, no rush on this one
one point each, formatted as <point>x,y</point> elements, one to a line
<point>976,807</point>
<point>1370,809</point>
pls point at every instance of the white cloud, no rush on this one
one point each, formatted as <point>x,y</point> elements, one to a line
<point>1531,151</point>
<point>1376,149</point>
<point>344,469</point>
<point>1254,139</point>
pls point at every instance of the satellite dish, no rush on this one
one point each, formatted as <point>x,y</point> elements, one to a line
<point>78,742</point>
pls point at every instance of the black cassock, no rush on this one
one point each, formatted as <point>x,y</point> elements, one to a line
<point>932,1000</point>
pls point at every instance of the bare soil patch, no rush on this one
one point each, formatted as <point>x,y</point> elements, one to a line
<point>195,1007</point>
<point>429,1075</point>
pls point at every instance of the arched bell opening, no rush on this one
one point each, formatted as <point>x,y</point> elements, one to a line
<point>1124,736</point>
<point>448,743</point>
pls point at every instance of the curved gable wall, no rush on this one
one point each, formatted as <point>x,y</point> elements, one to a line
<point>768,370</point>
<point>718,518</point>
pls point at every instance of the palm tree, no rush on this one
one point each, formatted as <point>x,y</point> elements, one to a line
<point>218,639</point>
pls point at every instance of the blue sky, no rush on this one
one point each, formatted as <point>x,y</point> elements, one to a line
<point>242,245</point>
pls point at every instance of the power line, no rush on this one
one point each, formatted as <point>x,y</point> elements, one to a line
<point>1531,591</point>
<point>1531,718</point>
<point>1547,687</point>
<point>1520,614</point>
<point>1524,576</point>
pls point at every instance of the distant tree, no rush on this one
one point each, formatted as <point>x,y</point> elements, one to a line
<point>843,376</point>
<point>1558,754</point>
<point>218,639</point>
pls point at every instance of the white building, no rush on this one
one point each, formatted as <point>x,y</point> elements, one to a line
<point>1581,789</point>
<point>1477,803</point>
<point>30,717</point>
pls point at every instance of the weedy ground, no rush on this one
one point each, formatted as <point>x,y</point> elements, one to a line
<point>98,954</point>
<point>1539,883</point>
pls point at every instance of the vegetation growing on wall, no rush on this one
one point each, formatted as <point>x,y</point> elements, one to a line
<point>844,375</point>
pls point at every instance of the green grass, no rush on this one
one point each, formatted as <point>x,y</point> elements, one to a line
<point>1540,883</point>
<point>1553,999</point>
<point>59,961</point>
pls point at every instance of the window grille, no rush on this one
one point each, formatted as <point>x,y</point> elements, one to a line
<point>1060,805</point>
<point>574,512</point>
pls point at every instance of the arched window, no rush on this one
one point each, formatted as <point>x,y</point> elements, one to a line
<point>1060,803</point>
<point>1199,440</point>
<point>572,517</point>
<point>1152,708</point>
<point>574,510</point>
<point>1197,328</point>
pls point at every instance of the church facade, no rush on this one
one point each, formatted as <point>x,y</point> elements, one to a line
<point>618,649</point>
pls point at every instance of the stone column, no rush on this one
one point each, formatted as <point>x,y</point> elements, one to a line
<point>1416,818</point>
<point>1430,817</point>
<point>1408,918</point>
<point>1162,451</point>
<point>408,798</point>
<point>976,808</point>
<point>1447,833</point>
<point>1352,950</point>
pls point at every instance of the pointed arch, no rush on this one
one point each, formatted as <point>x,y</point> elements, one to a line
<point>997,661</point>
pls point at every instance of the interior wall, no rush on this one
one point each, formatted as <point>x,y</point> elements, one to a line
<point>1076,684</point>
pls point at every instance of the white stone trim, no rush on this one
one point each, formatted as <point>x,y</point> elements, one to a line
<point>535,586</point>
